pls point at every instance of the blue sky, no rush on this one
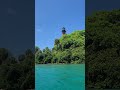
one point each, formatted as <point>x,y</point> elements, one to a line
<point>52,15</point>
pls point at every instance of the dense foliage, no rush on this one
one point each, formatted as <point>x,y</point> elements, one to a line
<point>68,49</point>
<point>103,49</point>
<point>16,73</point>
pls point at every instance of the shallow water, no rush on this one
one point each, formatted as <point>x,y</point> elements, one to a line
<point>60,77</point>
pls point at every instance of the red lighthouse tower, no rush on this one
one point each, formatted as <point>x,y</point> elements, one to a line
<point>63,31</point>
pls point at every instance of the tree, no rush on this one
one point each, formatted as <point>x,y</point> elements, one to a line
<point>102,50</point>
<point>70,48</point>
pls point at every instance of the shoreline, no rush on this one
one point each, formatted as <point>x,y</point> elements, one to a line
<point>59,64</point>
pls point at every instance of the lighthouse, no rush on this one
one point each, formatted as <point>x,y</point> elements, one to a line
<point>63,31</point>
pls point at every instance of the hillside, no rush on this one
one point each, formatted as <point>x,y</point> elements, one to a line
<point>68,49</point>
<point>16,73</point>
<point>103,49</point>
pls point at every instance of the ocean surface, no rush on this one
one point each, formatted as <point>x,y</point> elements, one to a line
<point>60,77</point>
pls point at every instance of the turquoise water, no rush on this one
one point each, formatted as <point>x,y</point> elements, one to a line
<point>60,77</point>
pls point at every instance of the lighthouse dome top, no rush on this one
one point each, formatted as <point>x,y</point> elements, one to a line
<point>63,28</point>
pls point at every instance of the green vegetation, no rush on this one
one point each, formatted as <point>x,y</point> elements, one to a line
<point>103,50</point>
<point>70,48</point>
<point>16,73</point>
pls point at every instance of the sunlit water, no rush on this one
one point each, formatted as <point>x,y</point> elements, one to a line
<point>60,77</point>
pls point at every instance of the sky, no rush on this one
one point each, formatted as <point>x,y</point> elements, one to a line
<point>98,5</point>
<point>52,15</point>
<point>18,18</point>
<point>17,21</point>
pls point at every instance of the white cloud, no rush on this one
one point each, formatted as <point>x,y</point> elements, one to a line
<point>11,11</point>
<point>38,30</point>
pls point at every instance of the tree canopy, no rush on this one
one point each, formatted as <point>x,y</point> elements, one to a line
<point>16,73</point>
<point>70,48</point>
<point>103,49</point>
